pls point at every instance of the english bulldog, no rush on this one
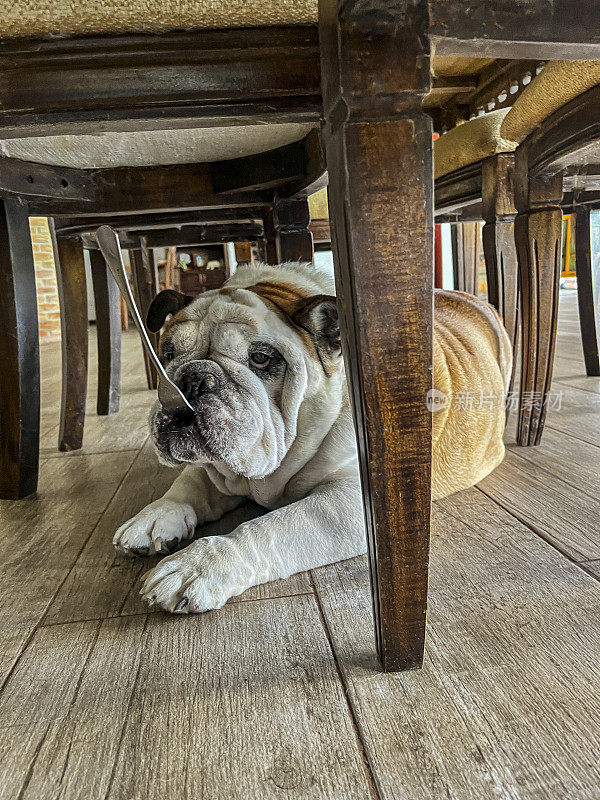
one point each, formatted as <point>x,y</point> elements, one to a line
<point>261,364</point>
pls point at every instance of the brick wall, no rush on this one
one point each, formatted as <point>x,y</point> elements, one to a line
<point>45,279</point>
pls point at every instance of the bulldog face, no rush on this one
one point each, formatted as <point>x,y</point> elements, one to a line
<point>245,359</point>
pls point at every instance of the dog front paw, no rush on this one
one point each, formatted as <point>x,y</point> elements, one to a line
<point>158,528</point>
<point>201,577</point>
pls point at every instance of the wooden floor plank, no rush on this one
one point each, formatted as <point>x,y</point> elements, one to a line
<point>225,705</point>
<point>508,702</point>
<point>104,583</point>
<point>559,511</point>
<point>593,567</point>
<point>571,460</point>
<point>41,536</point>
<point>123,431</point>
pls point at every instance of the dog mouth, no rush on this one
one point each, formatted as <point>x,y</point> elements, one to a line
<point>179,438</point>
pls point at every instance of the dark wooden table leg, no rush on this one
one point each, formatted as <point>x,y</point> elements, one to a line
<point>145,287</point>
<point>108,328</point>
<point>538,235</point>
<point>375,72</point>
<point>74,323</point>
<point>588,292</point>
<point>19,356</point>
<point>291,218</point>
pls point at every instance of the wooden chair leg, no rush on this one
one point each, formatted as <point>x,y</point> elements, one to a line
<point>291,218</point>
<point>145,287</point>
<point>501,270</point>
<point>108,327</point>
<point>588,292</point>
<point>464,256</point>
<point>19,356</point>
<point>72,294</point>
<point>499,240</point>
<point>538,234</point>
<point>380,199</point>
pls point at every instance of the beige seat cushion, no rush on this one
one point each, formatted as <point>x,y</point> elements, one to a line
<point>149,148</point>
<point>557,83</point>
<point>471,142</point>
<point>317,202</point>
<point>78,17</point>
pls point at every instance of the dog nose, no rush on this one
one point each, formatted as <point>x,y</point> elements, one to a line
<point>194,384</point>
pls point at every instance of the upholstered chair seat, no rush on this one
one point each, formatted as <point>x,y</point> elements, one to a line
<point>557,84</point>
<point>86,17</point>
<point>471,142</point>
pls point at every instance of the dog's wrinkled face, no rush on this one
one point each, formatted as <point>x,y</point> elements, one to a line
<point>245,360</point>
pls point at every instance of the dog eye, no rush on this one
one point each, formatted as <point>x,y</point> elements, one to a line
<point>167,353</point>
<point>260,360</point>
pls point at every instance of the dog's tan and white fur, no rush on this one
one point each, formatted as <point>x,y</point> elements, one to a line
<point>282,434</point>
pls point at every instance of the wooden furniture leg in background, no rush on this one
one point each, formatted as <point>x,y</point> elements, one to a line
<point>291,218</point>
<point>269,243</point>
<point>499,240</point>
<point>72,293</point>
<point>588,292</point>
<point>108,327</point>
<point>538,235</point>
<point>145,287</point>
<point>378,145</point>
<point>464,256</point>
<point>19,356</point>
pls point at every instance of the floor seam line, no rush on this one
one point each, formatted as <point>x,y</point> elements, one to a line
<point>577,438</point>
<point>540,534</point>
<point>39,624</point>
<point>367,767</point>
<point>553,474</point>
<point>145,613</point>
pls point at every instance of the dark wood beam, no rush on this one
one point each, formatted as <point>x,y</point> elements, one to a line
<point>188,236</point>
<point>454,84</point>
<point>151,221</point>
<point>145,82</point>
<point>536,29</point>
<point>30,180</point>
<point>297,168</point>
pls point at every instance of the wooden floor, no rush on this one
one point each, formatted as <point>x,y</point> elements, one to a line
<point>278,695</point>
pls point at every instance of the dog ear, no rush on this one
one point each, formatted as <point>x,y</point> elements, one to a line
<point>319,316</point>
<point>166,302</point>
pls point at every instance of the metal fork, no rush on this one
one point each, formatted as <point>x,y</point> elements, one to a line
<point>170,395</point>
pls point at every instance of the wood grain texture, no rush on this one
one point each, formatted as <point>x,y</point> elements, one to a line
<point>562,513</point>
<point>103,583</point>
<point>189,714</point>
<point>145,82</point>
<point>538,236</point>
<point>464,256</point>
<point>294,241</point>
<point>107,299</point>
<point>72,293</point>
<point>548,29</point>
<point>41,538</point>
<point>19,356</point>
<point>375,74</point>
<point>507,702</point>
